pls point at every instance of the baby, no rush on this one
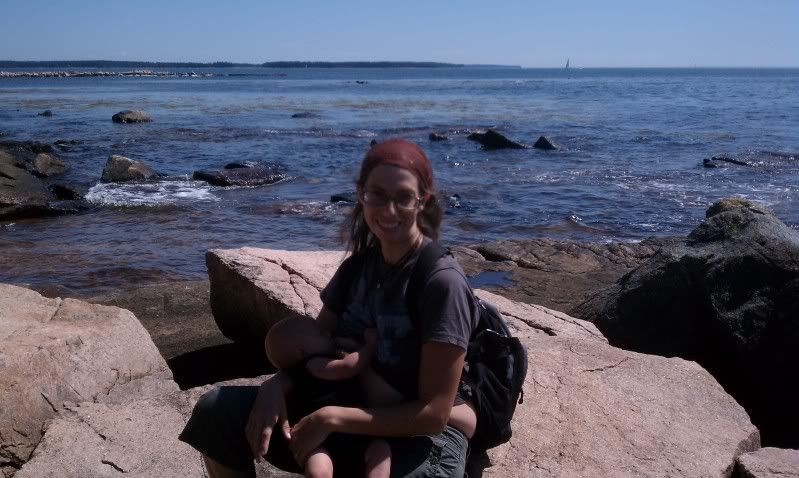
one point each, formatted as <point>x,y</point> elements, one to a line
<point>300,342</point>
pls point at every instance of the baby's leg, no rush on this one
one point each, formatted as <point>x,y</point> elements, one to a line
<point>319,464</point>
<point>378,459</point>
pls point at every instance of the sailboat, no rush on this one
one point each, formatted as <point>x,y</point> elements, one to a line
<point>567,64</point>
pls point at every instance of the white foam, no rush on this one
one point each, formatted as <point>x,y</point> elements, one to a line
<point>161,193</point>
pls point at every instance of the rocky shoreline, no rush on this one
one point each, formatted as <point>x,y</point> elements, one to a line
<point>590,408</point>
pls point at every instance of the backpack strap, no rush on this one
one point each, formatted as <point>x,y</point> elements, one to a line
<point>430,253</point>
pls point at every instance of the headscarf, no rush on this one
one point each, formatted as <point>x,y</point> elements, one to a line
<point>401,153</point>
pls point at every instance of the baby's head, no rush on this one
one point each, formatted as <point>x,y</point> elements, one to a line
<point>294,339</point>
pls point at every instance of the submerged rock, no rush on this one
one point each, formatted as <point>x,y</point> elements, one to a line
<point>719,161</point>
<point>67,192</point>
<point>727,297</point>
<point>305,115</point>
<point>752,159</point>
<point>491,140</point>
<point>66,144</point>
<point>544,143</point>
<point>344,197</point>
<point>131,116</point>
<point>121,169</point>
<point>242,174</point>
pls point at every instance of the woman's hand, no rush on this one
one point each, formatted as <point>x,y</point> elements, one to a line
<point>268,411</point>
<point>309,433</point>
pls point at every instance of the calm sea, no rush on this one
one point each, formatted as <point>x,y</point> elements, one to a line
<point>630,164</point>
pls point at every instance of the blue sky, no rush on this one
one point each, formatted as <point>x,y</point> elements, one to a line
<point>527,33</point>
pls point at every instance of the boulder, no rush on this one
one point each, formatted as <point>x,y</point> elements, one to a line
<point>120,169</point>
<point>491,140</point>
<point>251,288</point>
<point>46,165</point>
<point>556,274</point>
<point>133,436</point>
<point>243,174</point>
<point>438,137</point>
<point>56,352</point>
<point>590,409</point>
<point>21,193</point>
<point>727,297</point>
<point>24,189</point>
<point>131,116</point>
<point>594,410</point>
<point>544,143</point>
<point>769,463</point>
<point>17,185</point>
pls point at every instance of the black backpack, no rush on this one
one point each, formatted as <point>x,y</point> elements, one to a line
<point>496,362</point>
<point>495,365</point>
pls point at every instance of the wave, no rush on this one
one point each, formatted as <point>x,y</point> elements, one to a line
<point>155,194</point>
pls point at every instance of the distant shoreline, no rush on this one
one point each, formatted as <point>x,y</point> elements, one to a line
<point>224,64</point>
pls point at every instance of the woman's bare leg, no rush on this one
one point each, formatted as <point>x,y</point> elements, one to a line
<point>218,470</point>
<point>378,459</point>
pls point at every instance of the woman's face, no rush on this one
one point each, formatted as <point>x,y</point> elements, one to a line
<point>393,226</point>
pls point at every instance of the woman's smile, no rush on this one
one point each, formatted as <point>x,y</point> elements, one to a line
<point>395,227</point>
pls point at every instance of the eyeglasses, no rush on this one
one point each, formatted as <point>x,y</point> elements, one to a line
<point>403,200</point>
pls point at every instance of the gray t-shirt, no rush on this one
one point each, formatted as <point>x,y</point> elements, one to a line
<point>376,299</point>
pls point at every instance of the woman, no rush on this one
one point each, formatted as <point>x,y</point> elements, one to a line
<point>422,357</point>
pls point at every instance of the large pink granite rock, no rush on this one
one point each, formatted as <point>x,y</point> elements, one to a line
<point>590,409</point>
<point>251,288</point>
<point>55,352</point>
<point>132,433</point>
<point>594,410</point>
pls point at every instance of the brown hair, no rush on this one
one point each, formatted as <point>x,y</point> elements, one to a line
<point>407,155</point>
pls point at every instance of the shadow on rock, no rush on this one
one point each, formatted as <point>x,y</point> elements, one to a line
<point>217,364</point>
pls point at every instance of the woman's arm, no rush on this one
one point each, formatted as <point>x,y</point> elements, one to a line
<point>269,410</point>
<point>348,366</point>
<point>439,374</point>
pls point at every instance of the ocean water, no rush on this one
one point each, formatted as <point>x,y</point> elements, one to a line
<point>630,164</point>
